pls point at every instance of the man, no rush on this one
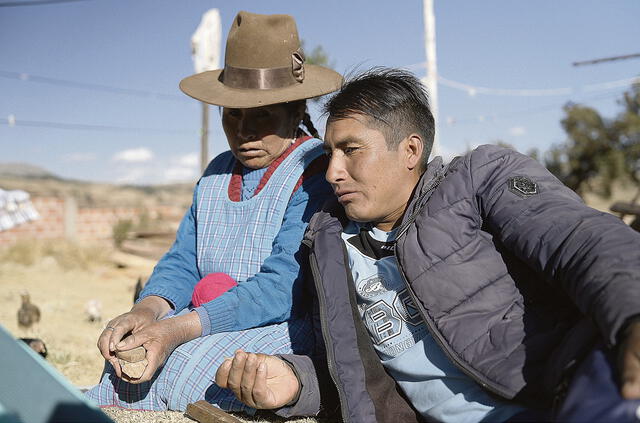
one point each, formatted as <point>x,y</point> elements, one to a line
<point>481,291</point>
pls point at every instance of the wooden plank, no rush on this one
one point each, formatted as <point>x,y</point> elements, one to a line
<point>203,412</point>
<point>626,208</point>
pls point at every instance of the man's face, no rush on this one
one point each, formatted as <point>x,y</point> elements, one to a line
<point>372,183</point>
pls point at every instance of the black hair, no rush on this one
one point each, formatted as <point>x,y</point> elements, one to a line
<point>394,101</point>
<point>306,119</point>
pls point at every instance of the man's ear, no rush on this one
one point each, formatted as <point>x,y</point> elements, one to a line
<point>413,146</point>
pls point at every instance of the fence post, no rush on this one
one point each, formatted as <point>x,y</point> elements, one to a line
<point>70,218</point>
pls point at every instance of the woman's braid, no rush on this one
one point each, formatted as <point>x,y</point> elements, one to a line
<point>306,120</point>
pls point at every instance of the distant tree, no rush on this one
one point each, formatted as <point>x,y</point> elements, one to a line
<point>504,144</point>
<point>598,151</point>
<point>317,56</point>
<point>534,153</point>
<point>628,126</point>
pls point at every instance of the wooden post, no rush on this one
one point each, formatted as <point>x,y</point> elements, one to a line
<point>204,138</point>
<point>70,218</point>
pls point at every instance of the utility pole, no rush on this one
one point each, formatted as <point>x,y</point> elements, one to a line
<point>205,50</point>
<point>431,80</point>
<point>607,59</point>
<point>204,138</point>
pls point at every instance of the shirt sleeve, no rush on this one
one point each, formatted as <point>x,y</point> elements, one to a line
<point>176,274</point>
<point>592,255</point>
<point>271,294</point>
<point>308,401</point>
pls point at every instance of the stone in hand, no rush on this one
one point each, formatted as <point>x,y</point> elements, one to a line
<point>133,362</point>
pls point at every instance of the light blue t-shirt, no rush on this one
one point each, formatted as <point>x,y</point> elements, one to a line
<point>435,386</point>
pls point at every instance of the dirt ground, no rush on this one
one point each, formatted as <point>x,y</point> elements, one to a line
<point>61,291</point>
<point>61,278</point>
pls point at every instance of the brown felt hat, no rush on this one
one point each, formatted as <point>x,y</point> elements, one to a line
<point>263,64</point>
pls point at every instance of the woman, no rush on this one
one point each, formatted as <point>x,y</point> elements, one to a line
<point>232,278</point>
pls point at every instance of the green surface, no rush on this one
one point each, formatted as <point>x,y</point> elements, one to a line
<point>31,391</point>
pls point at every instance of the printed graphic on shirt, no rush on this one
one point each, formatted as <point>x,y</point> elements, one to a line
<point>385,305</point>
<point>434,386</point>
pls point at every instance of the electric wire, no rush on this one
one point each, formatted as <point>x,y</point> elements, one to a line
<point>91,86</point>
<point>13,122</point>
<point>530,111</point>
<point>35,2</point>
<point>529,92</point>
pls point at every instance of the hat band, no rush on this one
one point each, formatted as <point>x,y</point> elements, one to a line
<point>258,78</point>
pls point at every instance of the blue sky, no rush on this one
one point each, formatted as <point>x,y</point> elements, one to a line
<point>144,46</point>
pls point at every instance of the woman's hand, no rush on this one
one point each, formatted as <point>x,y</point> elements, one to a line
<point>160,338</point>
<point>142,314</point>
<point>261,381</point>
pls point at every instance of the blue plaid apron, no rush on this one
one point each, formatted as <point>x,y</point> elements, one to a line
<point>234,238</point>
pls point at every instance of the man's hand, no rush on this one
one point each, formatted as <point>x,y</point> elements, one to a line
<point>629,363</point>
<point>258,380</point>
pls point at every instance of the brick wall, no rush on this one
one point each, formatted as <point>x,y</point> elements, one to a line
<point>60,218</point>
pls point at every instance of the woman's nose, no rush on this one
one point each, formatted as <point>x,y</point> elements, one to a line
<point>246,130</point>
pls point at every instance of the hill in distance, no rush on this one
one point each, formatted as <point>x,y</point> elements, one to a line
<point>24,170</point>
<point>40,182</point>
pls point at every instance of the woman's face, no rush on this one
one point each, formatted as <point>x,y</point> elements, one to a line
<point>259,135</point>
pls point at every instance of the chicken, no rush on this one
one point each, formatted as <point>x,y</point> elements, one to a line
<point>28,314</point>
<point>37,345</point>
<point>93,308</point>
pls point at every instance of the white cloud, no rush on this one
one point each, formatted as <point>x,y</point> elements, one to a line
<point>134,175</point>
<point>80,157</point>
<point>191,159</point>
<point>134,155</point>
<point>141,167</point>
<point>180,174</point>
<point>446,153</point>
<point>183,168</point>
<point>517,131</point>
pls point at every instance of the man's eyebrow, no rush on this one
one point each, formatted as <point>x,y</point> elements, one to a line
<point>342,143</point>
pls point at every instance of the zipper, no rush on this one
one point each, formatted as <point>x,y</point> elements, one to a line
<point>325,335</point>
<point>435,333</point>
<point>432,186</point>
<point>427,192</point>
<point>444,346</point>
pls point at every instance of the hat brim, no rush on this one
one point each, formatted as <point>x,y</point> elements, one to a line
<point>207,87</point>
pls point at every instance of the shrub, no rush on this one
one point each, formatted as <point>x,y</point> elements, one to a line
<point>121,231</point>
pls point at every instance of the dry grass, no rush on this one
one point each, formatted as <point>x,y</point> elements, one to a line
<point>66,254</point>
<point>61,277</point>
